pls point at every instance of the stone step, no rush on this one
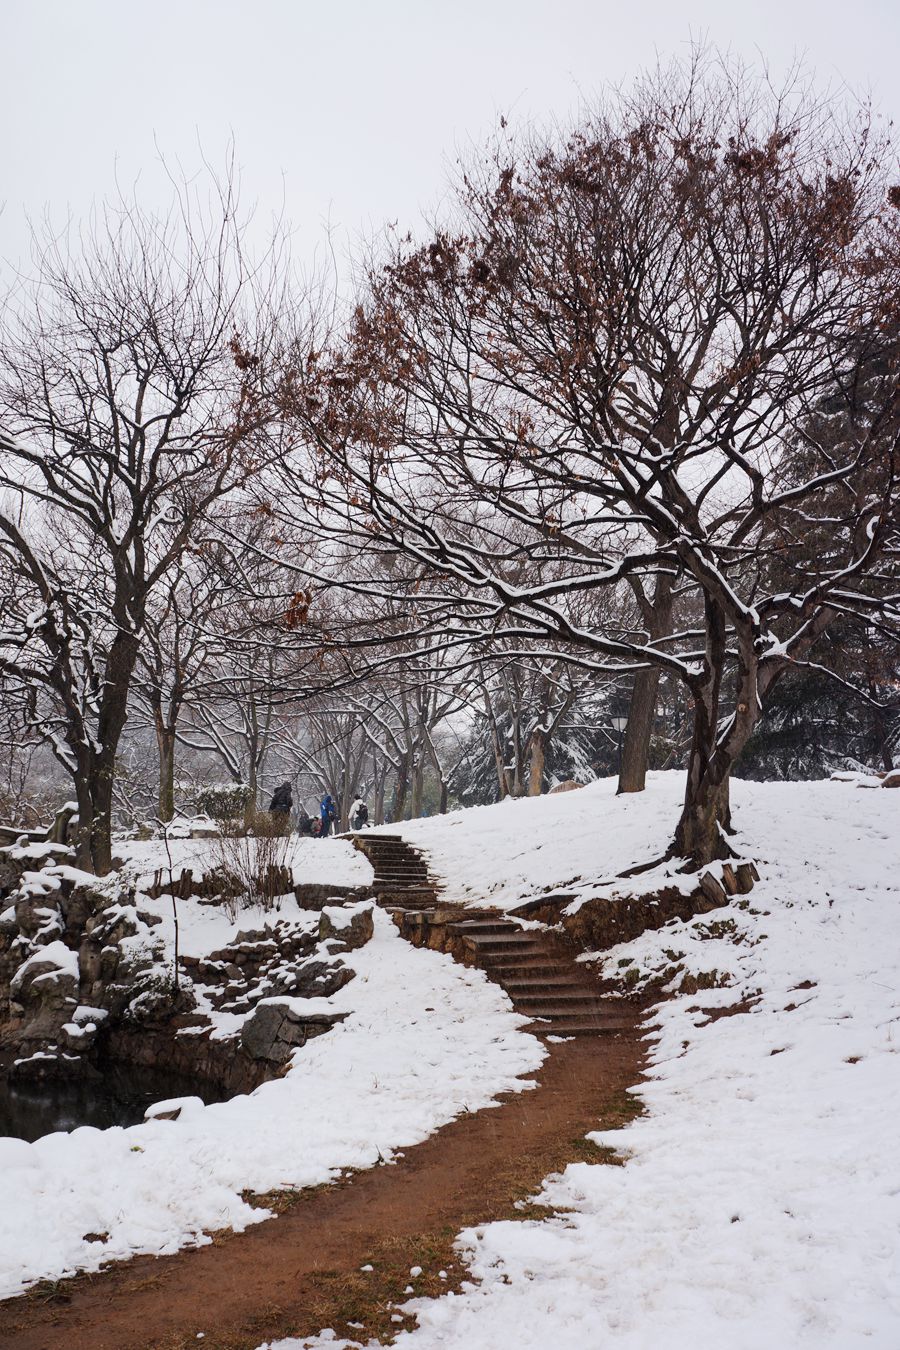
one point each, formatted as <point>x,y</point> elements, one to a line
<point>394,860</point>
<point>481,928</point>
<point>400,861</point>
<point>393,854</point>
<point>513,967</point>
<point>387,841</point>
<point>405,900</point>
<point>560,982</point>
<point>516,955</point>
<point>576,1000</point>
<point>490,943</point>
<point>406,884</point>
<point>581,1026</point>
<point>509,953</point>
<point>402,878</point>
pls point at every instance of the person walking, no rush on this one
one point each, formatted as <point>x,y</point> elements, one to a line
<point>280,808</point>
<point>328,813</point>
<point>359,814</point>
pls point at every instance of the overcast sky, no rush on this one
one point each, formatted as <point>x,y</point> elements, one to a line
<point>348,110</point>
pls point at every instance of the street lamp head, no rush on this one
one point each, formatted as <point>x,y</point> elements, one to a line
<point>619,723</point>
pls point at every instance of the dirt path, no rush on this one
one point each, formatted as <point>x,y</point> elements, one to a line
<point>301,1271</point>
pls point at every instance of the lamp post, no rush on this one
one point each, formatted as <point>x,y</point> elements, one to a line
<point>619,723</point>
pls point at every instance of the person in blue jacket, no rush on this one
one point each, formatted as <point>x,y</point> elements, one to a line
<point>328,812</point>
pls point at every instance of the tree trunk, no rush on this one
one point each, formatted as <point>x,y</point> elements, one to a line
<point>82,840</point>
<point>252,782</point>
<point>418,785</point>
<point>881,732</point>
<point>346,795</point>
<point>642,711</point>
<point>101,815</point>
<point>165,741</point>
<point>401,788</point>
<point>705,815</point>
<point>538,752</point>
<point>110,724</point>
<point>379,778</point>
<point>636,746</point>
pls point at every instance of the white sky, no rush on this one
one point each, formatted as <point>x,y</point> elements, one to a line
<point>348,110</point>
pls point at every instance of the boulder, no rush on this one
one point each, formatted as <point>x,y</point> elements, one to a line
<point>274,1030</point>
<point>45,990</point>
<point>568,786</point>
<point>352,925</point>
<point>34,917</point>
<point>891,779</point>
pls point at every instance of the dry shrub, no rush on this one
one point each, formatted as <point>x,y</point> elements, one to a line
<point>253,865</point>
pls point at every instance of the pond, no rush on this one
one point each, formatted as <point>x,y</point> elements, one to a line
<point>29,1110</point>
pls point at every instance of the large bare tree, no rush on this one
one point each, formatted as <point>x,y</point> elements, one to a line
<point>602,371</point>
<point>130,373</point>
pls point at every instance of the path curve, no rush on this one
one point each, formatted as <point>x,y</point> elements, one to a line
<point>301,1271</point>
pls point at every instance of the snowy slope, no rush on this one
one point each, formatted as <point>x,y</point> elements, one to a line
<point>512,851</point>
<point>760,1203</point>
<point>334,862</point>
<point>426,1039</point>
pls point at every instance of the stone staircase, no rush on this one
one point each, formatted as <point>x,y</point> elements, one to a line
<point>538,970</point>
<point>541,977</point>
<point>401,879</point>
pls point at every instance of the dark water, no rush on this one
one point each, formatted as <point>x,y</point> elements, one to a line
<point>120,1097</point>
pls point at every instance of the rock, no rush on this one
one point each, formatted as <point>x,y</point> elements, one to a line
<point>77,908</point>
<point>891,779</point>
<point>37,912</point>
<point>45,988</point>
<point>274,1030</point>
<point>315,979</point>
<point>568,786</point>
<point>353,925</point>
<point>172,1108</point>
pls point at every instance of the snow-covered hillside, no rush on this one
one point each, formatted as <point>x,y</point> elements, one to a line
<point>760,1202</point>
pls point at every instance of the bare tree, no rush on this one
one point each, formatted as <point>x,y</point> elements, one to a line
<point>601,371</point>
<point>130,378</point>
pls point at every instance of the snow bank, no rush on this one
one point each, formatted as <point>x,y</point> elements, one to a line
<point>425,1040</point>
<point>519,848</point>
<point>314,861</point>
<point>760,1203</point>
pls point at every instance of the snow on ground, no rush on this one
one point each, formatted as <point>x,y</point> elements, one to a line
<point>426,1039</point>
<point>759,1205</point>
<point>503,854</point>
<point>330,861</point>
<point>207,928</point>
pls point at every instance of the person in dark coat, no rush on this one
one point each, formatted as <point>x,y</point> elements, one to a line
<point>280,807</point>
<point>304,822</point>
